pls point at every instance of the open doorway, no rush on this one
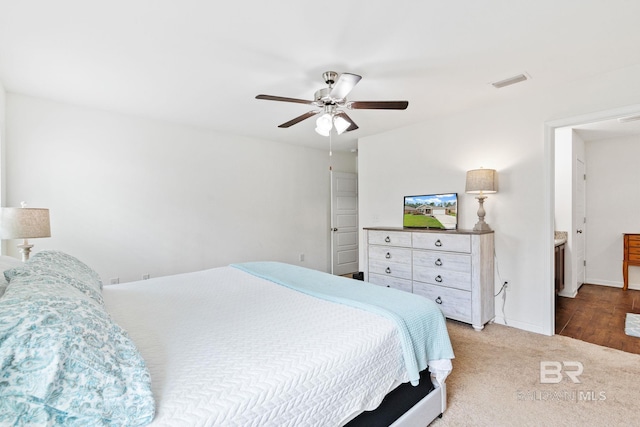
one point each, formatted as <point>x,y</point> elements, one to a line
<point>605,146</point>
<point>344,223</point>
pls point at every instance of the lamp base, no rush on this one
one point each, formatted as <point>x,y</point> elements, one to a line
<point>481,225</point>
<point>25,250</point>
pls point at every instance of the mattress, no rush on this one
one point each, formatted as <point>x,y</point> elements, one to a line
<point>224,347</point>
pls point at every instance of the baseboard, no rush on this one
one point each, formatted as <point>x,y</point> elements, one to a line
<point>609,283</point>
<point>519,325</point>
<point>568,294</point>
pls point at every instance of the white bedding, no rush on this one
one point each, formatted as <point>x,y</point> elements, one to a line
<point>226,348</point>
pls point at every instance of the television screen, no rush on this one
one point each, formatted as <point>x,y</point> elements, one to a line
<point>438,211</point>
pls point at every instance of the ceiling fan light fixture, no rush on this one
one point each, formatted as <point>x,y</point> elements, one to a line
<point>324,121</point>
<point>341,124</point>
<point>323,132</point>
<point>324,124</point>
<point>331,100</point>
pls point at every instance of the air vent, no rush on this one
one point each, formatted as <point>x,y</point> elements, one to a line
<point>510,81</point>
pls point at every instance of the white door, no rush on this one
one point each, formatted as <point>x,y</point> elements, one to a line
<point>344,223</point>
<point>579,221</point>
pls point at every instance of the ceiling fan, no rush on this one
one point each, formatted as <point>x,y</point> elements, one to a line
<point>331,101</point>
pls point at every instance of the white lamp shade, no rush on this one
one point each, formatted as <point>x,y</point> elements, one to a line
<point>24,223</point>
<point>322,131</point>
<point>341,124</point>
<point>481,181</point>
<point>324,122</point>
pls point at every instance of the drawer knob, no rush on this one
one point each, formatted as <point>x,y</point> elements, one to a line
<point>438,262</point>
<point>388,270</point>
<point>388,255</point>
<point>438,278</point>
<point>438,243</point>
<point>438,300</point>
<point>387,239</point>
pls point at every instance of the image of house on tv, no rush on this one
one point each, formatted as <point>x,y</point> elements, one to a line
<point>431,211</point>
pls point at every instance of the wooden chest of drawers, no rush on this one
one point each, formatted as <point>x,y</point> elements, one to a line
<point>452,268</point>
<point>631,255</point>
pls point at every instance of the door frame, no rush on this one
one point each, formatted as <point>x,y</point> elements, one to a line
<point>548,303</point>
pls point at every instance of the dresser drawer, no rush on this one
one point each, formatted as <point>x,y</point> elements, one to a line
<point>389,238</point>
<point>446,278</point>
<point>443,260</point>
<point>391,282</point>
<point>390,269</point>
<point>454,303</point>
<point>634,239</point>
<point>442,242</point>
<point>390,254</point>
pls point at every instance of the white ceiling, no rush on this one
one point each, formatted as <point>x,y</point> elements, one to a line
<point>202,63</point>
<point>608,129</point>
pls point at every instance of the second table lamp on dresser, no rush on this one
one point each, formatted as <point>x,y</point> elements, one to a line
<point>481,182</point>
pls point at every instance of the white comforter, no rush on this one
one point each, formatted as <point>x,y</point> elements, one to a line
<point>227,348</point>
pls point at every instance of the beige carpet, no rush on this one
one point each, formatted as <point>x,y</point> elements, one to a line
<point>496,381</point>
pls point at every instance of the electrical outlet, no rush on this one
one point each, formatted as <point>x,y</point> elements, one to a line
<point>301,257</point>
<point>146,276</point>
<point>115,280</point>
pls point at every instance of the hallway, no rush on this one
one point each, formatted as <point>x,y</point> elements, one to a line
<point>597,315</point>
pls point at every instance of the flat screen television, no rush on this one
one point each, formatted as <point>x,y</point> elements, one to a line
<point>437,211</point>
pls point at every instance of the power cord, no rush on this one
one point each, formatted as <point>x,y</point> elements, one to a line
<point>503,288</point>
<point>504,285</point>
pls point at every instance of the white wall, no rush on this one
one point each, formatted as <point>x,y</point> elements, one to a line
<point>3,99</point>
<point>509,137</point>
<point>568,147</point>
<point>132,196</point>
<point>563,218</point>
<point>613,208</point>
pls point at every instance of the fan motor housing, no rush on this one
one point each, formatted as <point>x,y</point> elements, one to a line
<point>323,96</point>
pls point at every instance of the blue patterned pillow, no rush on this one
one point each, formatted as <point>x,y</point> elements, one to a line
<point>65,362</point>
<point>60,267</point>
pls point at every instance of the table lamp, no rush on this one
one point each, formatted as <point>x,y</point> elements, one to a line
<point>481,182</point>
<point>24,223</point>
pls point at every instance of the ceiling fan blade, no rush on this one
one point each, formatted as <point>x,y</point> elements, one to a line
<point>352,124</point>
<point>344,85</point>
<point>378,105</point>
<point>284,99</point>
<point>299,119</point>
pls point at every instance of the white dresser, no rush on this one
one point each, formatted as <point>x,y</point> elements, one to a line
<point>452,268</point>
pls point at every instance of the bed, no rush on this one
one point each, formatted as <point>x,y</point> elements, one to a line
<point>244,345</point>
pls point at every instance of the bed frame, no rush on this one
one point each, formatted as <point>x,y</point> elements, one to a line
<point>427,410</point>
<point>407,406</point>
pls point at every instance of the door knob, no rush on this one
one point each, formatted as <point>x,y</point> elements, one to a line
<point>579,231</point>
<point>334,229</point>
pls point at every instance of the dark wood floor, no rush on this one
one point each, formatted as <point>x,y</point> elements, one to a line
<point>597,315</point>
